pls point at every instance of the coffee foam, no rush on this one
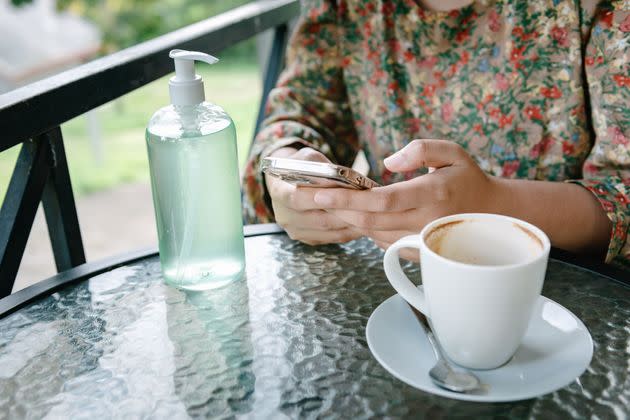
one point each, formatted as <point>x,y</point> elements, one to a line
<point>484,242</point>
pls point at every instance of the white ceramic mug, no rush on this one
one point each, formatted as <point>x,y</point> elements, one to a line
<point>481,276</point>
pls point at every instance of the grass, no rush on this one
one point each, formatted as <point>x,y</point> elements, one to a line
<point>233,84</point>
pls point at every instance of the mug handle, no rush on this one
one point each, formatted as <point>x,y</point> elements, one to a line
<point>396,276</point>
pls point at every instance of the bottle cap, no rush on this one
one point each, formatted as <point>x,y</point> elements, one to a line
<point>186,87</point>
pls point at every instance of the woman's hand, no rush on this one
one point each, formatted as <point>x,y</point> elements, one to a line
<point>298,214</point>
<point>385,214</point>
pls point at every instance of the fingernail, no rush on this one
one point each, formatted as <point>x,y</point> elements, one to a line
<point>397,158</point>
<point>323,199</point>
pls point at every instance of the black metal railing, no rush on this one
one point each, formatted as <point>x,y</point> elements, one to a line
<point>32,116</point>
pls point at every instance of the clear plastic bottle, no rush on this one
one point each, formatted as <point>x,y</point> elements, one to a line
<point>196,193</point>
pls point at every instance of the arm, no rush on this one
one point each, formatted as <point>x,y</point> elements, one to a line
<point>589,215</point>
<point>606,171</point>
<point>308,107</point>
<point>569,214</point>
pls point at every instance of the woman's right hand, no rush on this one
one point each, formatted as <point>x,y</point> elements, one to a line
<point>297,213</point>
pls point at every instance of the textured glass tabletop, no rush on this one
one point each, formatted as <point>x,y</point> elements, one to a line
<point>288,341</point>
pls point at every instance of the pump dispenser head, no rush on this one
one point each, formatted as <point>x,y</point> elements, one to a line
<point>186,87</point>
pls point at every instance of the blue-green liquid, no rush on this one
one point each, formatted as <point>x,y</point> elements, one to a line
<point>196,194</point>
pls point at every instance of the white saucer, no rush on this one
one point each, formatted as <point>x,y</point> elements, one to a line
<point>556,349</point>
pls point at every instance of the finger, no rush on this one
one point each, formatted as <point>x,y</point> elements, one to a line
<point>307,153</point>
<point>408,254</point>
<point>284,152</point>
<point>277,188</point>
<point>425,153</point>
<point>310,219</point>
<point>379,221</point>
<point>387,236</point>
<point>319,237</point>
<point>396,197</point>
<point>293,197</point>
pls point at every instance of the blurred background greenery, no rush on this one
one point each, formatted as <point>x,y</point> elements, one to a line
<point>124,23</point>
<point>233,83</point>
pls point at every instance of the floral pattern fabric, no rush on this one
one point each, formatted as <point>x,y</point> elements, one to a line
<point>531,89</point>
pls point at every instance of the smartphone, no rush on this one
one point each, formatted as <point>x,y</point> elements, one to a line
<point>315,174</point>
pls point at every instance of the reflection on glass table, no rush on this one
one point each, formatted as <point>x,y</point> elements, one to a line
<point>288,341</point>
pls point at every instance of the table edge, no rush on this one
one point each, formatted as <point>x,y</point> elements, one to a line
<point>52,284</point>
<point>16,300</point>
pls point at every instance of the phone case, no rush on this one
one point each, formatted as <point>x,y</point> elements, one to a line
<point>315,174</point>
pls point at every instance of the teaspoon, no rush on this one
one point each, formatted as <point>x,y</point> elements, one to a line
<point>443,373</point>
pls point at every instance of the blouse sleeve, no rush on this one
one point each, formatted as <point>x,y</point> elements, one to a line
<point>307,108</point>
<point>606,171</point>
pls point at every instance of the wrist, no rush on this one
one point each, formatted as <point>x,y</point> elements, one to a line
<point>501,197</point>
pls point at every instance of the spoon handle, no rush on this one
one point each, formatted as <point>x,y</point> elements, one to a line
<point>427,327</point>
<point>443,373</point>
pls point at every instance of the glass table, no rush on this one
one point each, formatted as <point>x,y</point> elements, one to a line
<point>111,340</point>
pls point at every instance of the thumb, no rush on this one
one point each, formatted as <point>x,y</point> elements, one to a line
<point>425,153</point>
<point>312,155</point>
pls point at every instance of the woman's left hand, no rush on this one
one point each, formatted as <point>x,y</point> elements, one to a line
<point>385,214</point>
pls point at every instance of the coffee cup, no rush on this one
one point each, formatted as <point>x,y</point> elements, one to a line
<point>481,277</point>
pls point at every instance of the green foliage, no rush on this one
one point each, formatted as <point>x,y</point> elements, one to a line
<point>124,23</point>
<point>233,83</point>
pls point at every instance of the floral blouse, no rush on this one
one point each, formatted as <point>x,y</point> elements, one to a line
<point>535,89</point>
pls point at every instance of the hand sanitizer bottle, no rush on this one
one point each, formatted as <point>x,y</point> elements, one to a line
<point>195,183</point>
